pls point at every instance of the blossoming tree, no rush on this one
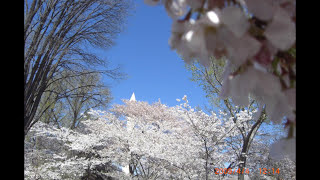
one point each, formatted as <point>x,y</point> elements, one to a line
<point>152,141</point>
<point>88,151</point>
<point>190,140</point>
<point>137,140</point>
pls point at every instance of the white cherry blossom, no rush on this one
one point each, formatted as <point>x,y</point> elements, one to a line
<point>175,8</point>
<point>258,39</point>
<point>281,32</point>
<point>262,9</point>
<point>284,148</point>
<point>196,4</point>
<point>235,20</point>
<point>213,17</point>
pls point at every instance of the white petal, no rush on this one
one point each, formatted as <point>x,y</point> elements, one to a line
<point>282,31</point>
<point>291,97</point>
<point>235,20</point>
<point>242,85</point>
<point>195,4</point>
<point>178,27</point>
<point>239,92</point>
<point>289,6</point>
<point>204,59</point>
<point>175,8</point>
<point>195,44</point>
<point>259,67</point>
<point>276,108</point>
<point>262,9</point>
<point>283,148</point>
<point>213,17</point>
<point>269,85</point>
<point>268,91</point>
<point>174,41</point>
<point>189,35</point>
<point>240,49</point>
<point>211,40</point>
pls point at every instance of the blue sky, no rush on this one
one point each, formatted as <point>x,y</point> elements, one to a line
<point>154,70</point>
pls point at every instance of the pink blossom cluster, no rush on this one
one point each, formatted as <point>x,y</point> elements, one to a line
<point>257,37</point>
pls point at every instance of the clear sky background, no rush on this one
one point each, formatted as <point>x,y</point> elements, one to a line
<point>154,70</point>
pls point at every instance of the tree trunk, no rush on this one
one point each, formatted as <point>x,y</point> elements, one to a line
<point>247,142</point>
<point>242,165</point>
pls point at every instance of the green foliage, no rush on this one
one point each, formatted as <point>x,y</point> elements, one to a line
<point>209,79</point>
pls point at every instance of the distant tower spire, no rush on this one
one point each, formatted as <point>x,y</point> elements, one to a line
<point>133,97</point>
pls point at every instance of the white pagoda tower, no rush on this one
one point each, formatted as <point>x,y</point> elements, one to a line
<point>133,97</point>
